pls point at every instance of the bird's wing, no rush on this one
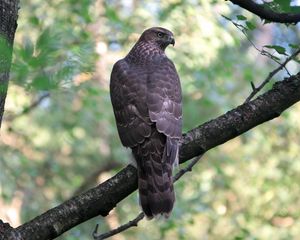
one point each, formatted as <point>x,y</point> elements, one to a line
<point>128,96</point>
<point>164,99</point>
<point>147,107</point>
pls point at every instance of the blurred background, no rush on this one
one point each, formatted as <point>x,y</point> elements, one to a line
<point>59,136</point>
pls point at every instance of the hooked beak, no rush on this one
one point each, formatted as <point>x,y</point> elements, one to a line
<point>171,40</point>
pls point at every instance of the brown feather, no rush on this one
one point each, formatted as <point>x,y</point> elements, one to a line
<point>146,97</point>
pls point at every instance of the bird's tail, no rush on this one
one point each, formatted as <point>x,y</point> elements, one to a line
<point>155,159</point>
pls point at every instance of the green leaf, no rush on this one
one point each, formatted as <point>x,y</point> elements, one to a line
<point>295,46</point>
<point>241,17</point>
<point>295,9</point>
<point>250,25</point>
<point>34,20</point>
<point>48,41</point>
<point>112,14</point>
<point>43,39</point>
<point>27,50</point>
<point>283,5</point>
<point>277,48</point>
<point>43,82</point>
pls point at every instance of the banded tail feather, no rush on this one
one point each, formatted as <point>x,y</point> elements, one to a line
<point>155,158</point>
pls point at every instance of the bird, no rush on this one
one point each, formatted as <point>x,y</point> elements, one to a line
<point>146,96</point>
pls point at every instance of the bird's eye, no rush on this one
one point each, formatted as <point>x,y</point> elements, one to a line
<point>159,34</point>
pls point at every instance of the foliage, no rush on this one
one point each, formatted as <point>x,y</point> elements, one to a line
<point>245,189</point>
<point>282,6</point>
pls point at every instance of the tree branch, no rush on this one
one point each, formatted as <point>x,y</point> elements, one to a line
<point>255,90</point>
<point>103,198</point>
<point>239,120</point>
<point>138,218</point>
<point>29,108</point>
<point>267,14</point>
<point>8,26</point>
<point>133,223</point>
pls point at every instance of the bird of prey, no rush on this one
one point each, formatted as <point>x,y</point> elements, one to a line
<point>146,97</point>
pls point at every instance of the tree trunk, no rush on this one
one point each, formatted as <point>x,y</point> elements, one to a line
<point>8,25</point>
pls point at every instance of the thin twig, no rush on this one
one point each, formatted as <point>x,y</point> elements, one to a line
<point>135,221</point>
<point>263,52</point>
<point>188,168</point>
<point>132,223</point>
<point>29,108</point>
<point>271,74</point>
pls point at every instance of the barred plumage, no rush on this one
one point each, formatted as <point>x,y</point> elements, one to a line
<point>146,98</point>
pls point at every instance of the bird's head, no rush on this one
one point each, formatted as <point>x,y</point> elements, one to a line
<point>158,36</point>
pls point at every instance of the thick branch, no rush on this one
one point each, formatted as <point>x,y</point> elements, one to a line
<point>101,199</point>
<point>239,120</point>
<point>8,26</point>
<point>266,13</point>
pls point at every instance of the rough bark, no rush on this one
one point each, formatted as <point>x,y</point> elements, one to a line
<point>239,120</point>
<point>8,26</point>
<point>267,14</point>
<point>101,199</point>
